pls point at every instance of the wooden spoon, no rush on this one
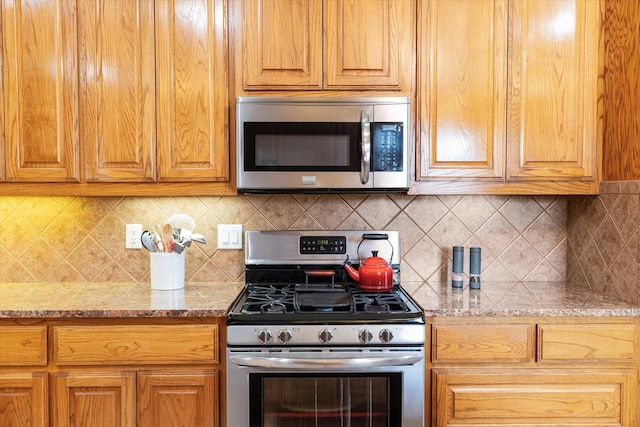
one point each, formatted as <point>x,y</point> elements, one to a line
<point>167,237</point>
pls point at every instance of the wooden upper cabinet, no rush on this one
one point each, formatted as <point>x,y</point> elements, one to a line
<point>509,97</point>
<point>553,89</point>
<point>330,44</point>
<point>39,40</point>
<point>367,43</point>
<point>463,66</point>
<point>191,87</point>
<point>282,44</point>
<point>117,82</point>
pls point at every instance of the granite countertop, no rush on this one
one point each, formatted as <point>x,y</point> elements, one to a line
<point>494,299</point>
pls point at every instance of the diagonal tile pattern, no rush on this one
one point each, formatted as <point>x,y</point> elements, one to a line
<point>66,239</point>
<point>603,245</point>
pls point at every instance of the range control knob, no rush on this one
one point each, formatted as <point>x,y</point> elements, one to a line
<point>264,336</point>
<point>284,336</point>
<point>385,335</point>
<point>325,336</point>
<point>365,336</point>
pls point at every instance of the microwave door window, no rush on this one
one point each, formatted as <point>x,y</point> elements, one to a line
<point>302,146</point>
<point>302,151</point>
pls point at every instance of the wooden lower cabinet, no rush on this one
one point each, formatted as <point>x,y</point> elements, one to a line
<point>535,372</point>
<point>178,398</point>
<point>112,398</point>
<point>110,373</point>
<point>482,397</point>
<point>23,399</point>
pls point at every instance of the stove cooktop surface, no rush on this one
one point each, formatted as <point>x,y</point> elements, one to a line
<point>299,303</point>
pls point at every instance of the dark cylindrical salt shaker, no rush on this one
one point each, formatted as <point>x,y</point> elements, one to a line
<point>457,272</point>
<point>474,267</point>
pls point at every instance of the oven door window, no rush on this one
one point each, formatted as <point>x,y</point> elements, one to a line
<point>332,400</point>
<point>295,146</point>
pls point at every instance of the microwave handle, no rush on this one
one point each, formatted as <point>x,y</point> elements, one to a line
<point>365,146</point>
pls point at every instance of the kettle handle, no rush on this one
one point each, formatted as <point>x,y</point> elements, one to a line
<point>375,236</point>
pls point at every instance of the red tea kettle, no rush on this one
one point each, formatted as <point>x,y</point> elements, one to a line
<point>375,273</point>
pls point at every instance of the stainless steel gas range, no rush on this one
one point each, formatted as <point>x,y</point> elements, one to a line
<point>306,346</point>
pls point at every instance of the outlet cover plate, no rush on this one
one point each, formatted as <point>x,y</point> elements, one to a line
<point>133,234</point>
<point>229,236</point>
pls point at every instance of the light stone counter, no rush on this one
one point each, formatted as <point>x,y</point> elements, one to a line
<point>494,299</point>
<point>64,300</point>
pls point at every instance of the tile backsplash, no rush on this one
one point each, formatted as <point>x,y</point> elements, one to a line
<point>604,240</point>
<point>81,239</point>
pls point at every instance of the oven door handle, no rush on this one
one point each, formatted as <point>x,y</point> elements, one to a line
<point>284,362</point>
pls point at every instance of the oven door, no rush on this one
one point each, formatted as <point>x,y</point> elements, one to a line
<point>320,144</point>
<point>329,387</point>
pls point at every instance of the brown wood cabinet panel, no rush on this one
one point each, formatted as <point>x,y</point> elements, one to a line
<point>192,87</point>
<point>117,82</point>
<point>24,400</point>
<point>580,342</point>
<point>281,43</point>
<point>98,399</point>
<point>473,343</point>
<point>462,59</point>
<point>23,345</point>
<point>133,344</point>
<point>553,89</point>
<point>621,153</point>
<point>367,43</point>
<point>40,91</point>
<point>497,397</point>
<point>178,398</point>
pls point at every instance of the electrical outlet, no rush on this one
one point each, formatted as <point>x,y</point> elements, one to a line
<point>132,236</point>
<point>229,236</point>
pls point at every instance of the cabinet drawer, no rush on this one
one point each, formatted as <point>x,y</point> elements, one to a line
<point>130,344</point>
<point>529,397</point>
<point>23,345</point>
<point>598,342</point>
<point>472,343</point>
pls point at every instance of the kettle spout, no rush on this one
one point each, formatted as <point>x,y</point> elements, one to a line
<point>352,272</point>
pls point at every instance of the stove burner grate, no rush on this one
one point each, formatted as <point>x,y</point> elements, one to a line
<point>269,299</point>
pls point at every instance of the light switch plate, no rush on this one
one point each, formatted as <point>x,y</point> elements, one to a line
<point>229,236</point>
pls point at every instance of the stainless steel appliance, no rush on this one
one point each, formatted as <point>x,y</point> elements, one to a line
<point>307,347</point>
<point>321,144</point>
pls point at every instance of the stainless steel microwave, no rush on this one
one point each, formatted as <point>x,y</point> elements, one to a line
<point>298,144</point>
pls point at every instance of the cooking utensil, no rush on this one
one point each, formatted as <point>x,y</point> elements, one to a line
<point>198,238</point>
<point>181,220</point>
<point>160,243</point>
<point>148,240</point>
<point>167,237</point>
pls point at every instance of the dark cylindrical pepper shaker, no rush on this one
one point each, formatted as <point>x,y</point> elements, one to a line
<point>474,267</point>
<point>457,273</point>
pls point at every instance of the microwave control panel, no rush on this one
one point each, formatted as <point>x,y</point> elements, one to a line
<point>387,147</point>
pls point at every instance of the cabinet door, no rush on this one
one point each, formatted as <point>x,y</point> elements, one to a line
<point>368,43</point>
<point>553,89</point>
<point>40,84</point>
<point>281,43</point>
<point>23,400</point>
<point>191,71</point>
<point>117,81</point>
<point>462,67</point>
<point>178,399</point>
<point>97,399</point>
<point>528,397</point>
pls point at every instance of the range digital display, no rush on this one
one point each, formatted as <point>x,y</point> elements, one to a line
<point>323,245</point>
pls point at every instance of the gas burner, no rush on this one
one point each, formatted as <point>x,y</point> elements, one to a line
<point>269,299</point>
<point>387,302</point>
